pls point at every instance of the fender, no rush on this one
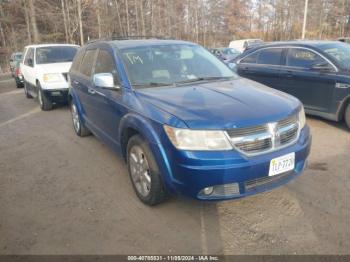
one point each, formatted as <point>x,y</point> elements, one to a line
<point>72,96</point>
<point>145,128</point>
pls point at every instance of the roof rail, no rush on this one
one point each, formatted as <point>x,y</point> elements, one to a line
<point>112,38</point>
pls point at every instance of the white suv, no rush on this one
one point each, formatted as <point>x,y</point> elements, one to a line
<point>45,70</point>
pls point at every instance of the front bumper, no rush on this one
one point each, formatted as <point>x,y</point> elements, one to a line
<point>189,172</point>
<point>57,95</point>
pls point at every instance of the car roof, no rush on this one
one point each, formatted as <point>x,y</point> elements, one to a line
<point>121,44</point>
<point>301,43</point>
<point>48,45</point>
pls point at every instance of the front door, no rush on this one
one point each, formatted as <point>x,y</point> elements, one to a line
<point>314,88</point>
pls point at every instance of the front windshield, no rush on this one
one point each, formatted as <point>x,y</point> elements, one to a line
<point>229,51</point>
<point>339,52</point>
<point>172,64</point>
<point>55,54</point>
<point>18,57</point>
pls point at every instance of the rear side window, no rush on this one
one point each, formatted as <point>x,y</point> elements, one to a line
<point>88,61</point>
<point>77,60</point>
<point>302,58</point>
<point>271,56</point>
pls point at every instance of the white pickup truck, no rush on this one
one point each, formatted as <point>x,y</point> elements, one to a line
<point>45,70</point>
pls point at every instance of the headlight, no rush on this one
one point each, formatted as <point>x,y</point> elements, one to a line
<point>187,139</point>
<point>302,118</point>
<point>52,77</point>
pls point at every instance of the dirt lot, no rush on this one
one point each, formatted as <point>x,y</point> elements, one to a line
<point>61,194</point>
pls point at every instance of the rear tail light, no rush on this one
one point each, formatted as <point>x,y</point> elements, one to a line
<point>18,72</point>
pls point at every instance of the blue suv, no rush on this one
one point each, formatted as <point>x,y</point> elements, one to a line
<point>184,122</point>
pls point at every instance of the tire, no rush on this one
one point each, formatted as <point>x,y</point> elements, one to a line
<point>144,172</point>
<point>44,102</point>
<point>26,93</point>
<point>18,84</point>
<point>347,115</point>
<point>79,127</point>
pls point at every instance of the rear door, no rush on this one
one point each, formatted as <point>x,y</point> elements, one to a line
<point>314,88</point>
<point>82,84</point>
<point>262,66</point>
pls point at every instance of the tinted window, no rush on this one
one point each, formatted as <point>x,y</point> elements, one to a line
<point>104,63</point>
<point>270,56</point>
<point>77,60</point>
<point>303,58</point>
<point>339,52</point>
<point>168,64</point>
<point>55,54</point>
<point>88,62</point>
<point>29,55</point>
<point>250,59</point>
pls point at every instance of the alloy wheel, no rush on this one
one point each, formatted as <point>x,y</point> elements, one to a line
<point>140,171</point>
<point>75,116</point>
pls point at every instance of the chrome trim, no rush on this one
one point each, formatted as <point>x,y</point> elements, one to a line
<point>287,47</point>
<point>274,130</point>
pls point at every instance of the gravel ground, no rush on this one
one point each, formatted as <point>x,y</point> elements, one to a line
<point>61,194</point>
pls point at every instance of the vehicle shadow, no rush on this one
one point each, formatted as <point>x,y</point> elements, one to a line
<point>340,125</point>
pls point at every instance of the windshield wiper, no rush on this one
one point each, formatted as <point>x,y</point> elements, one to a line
<point>153,84</point>
<point>198,79</point>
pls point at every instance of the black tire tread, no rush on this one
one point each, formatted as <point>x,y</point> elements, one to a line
<point>347,115</point>
<point>47,104</point>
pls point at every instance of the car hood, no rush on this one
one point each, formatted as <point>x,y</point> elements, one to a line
<point>54,68</point>
<point>222,105</point>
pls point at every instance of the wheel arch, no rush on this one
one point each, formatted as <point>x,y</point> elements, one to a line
<point>134,124</point>
<point>342,108</point>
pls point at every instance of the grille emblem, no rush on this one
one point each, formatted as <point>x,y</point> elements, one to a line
<point>275,135</point>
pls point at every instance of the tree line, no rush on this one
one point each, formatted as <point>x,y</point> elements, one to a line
<point>207,22</point>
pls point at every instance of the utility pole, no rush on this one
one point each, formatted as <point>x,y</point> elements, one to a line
<point>305,19</point>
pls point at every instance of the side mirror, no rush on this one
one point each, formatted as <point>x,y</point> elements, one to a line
<point>11,60</point>
<point>322,67</point>
<point>104,80</point>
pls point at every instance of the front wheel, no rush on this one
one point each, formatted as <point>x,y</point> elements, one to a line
<point>347,116</point>
<point>44,101</point>
<point>144,172</point>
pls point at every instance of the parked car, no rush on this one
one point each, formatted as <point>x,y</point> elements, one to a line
<point>244,44</point>
<point>14,58</point>
<point>316,72</point>
<point>18,75</point>
<point>344,39</point>
<point>45,70</point>
<point>184,122</point>
<point>224,53</point>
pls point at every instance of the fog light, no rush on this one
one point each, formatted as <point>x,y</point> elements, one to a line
<point>208,190</point>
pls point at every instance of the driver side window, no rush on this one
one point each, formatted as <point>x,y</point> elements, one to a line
<point>105,64</point>
<point>303,58</point>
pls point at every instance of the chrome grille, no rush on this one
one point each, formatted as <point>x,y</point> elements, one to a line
<point>265,138</point>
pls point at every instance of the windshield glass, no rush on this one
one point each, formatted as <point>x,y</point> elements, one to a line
<point>172,64</point>
<point>55,54</point>
<point>18,57</point>
<point>229,51</point>
<point>339,52</point>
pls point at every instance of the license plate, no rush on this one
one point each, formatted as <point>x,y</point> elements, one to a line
<point>282,164</point>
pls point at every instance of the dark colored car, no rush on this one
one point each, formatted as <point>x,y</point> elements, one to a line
<point>224,53</point>
<point>316,72</point>
<point>184,122</point>
<point>17,74</point>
